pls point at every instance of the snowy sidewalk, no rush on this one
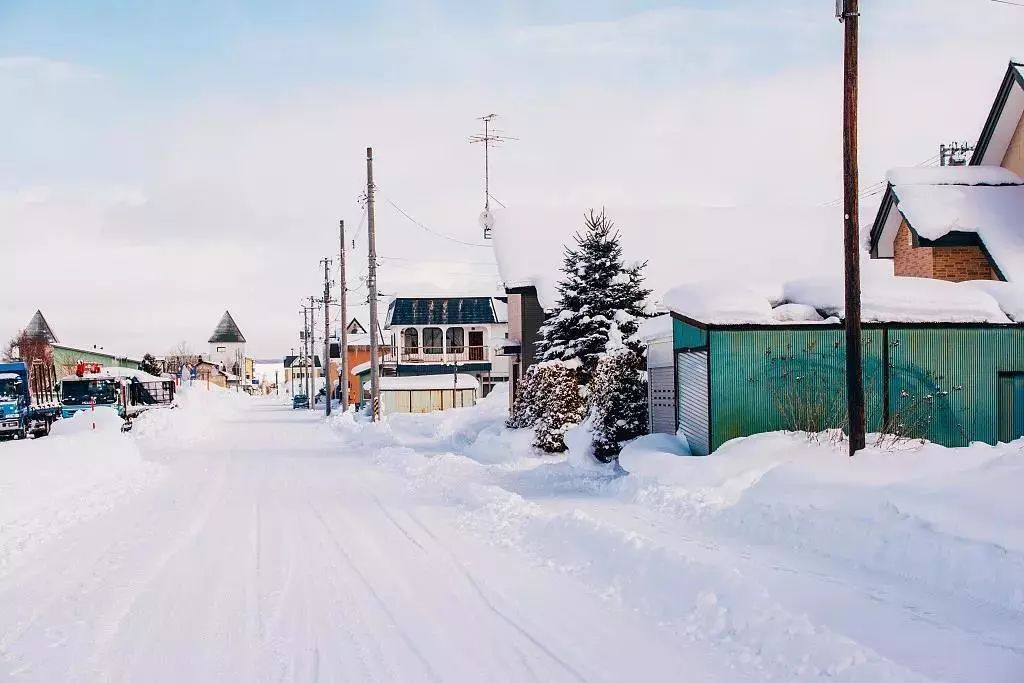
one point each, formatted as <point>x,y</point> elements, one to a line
<point>262,552</point>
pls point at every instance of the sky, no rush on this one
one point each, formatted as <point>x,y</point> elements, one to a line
<point>165,161</point>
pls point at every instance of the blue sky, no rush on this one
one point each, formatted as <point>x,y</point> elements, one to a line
<point>181,132</point>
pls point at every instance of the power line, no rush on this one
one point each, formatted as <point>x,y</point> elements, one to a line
<point>1007,2</point>
<point>399,209</point>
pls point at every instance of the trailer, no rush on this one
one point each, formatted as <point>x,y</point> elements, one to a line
<point>127,391</point>
<point>29,400</point>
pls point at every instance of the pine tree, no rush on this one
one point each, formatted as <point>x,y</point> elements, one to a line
<point>559,405</point>
<point>149,364</point>
<point>598,293</point>
<point>618,402</point>
<point>525,407</point>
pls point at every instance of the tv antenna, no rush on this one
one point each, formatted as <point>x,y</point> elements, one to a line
<point>490,136</point>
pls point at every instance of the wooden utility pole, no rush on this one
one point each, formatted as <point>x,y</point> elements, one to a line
<point>327,335</point>
<point>371,281</point>
<point>849,11</point>
<point>312,352</point>
<point>343,323</point>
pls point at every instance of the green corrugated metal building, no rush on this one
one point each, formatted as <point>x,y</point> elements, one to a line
<point>65,358</point>
<point>952,383</point>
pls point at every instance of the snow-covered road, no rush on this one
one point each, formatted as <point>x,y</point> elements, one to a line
<point>264,553</point>
<point>238,540</point>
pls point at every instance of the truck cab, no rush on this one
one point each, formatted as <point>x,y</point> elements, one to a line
<point>28,399</point>
<point>127,391</point>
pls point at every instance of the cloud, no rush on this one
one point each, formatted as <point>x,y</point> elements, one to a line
<point>42,69</point>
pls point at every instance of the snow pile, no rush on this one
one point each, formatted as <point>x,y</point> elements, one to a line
<point>1009,296</point>
<point>719,303</point>
<point>654,455</point>
<point>49,485</point>
<point>822,300</point>
<point>899,299</point>
<point>101,420</point>
<point>658,328</point>
<point>196,415</point>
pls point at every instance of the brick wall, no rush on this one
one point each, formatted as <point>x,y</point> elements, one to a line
<point>955,264</point>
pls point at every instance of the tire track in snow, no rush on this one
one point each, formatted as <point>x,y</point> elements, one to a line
<point>376,596</point>
<point>493,608</point>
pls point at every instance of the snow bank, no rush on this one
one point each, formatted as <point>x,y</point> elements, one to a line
<point>198,412</point>
<point>951,517</point>
<point>1009,296</point>
<point>654,455</point>
<point>101,419</point>
<point>50,485</point>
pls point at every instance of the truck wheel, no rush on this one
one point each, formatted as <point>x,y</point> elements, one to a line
<point>22,434</point>
<point>44,430</point>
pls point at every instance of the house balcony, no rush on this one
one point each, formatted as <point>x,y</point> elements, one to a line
<point>437,355</point>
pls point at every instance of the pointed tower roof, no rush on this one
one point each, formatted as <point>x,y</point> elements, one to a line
<point>227,331</point>
<point>38,328</point>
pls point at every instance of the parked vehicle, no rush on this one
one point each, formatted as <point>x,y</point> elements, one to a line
<point>129,392</point>
<point>29,402</point>
<point>300,401</point>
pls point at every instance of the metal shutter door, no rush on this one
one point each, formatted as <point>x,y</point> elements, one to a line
<point>693,399</point>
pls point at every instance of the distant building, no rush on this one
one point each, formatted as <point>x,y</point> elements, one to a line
<point>448,335</point>
<point>67,356</point>
<point>227,345</point>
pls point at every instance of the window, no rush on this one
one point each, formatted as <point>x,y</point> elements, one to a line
<point>221,349</point>
<point>433,340</point>
<point>411,340</point>
<point>455,339</point>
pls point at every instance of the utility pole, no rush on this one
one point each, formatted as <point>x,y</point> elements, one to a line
<point>305,350</point>
<point>312,351</point>
<point>849,14</point>
<point>371,281</point>
<point>343,324</point>
<point>327,335</point>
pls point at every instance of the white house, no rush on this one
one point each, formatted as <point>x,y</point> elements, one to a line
<point>443,335</point>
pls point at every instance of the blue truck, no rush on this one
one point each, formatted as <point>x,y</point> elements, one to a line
<point>29,400</point>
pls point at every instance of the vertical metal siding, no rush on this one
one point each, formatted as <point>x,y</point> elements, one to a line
<point>693,399</point>
<point>758,375</point>
<point>959,369</point>
<point>686,336</point>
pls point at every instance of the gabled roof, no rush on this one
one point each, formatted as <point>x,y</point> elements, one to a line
<point>954,206</point>
<point>1002,119</point>
<point>355,327</point>
<point>475,310</point>
<point>38,327</point>
<point>227,331</point>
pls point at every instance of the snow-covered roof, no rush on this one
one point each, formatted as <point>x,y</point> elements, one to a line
<point>427,383</point>
<point>679,243</point>
<point>1003,119</point>
<point>9,375</point>
<point>818,300</point>
<point>986,201</point>
<point>361,368</point>
<point>654,329</point>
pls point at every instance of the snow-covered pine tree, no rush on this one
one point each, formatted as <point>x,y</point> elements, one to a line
<point>525,406</point>
<point>618,401</point>
<point>559,404</point>
<point>597,292</point>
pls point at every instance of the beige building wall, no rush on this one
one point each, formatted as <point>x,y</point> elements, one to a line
<point>1013,160</point>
